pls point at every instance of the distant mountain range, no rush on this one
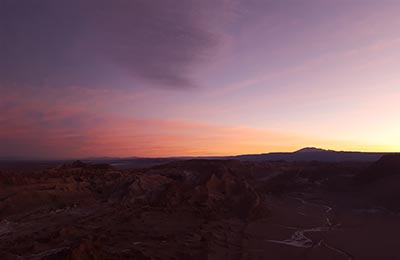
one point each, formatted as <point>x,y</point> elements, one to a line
<point>312,154</point>
<point>305,154</point>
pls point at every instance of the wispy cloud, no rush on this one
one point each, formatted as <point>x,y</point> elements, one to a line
<point>99,41</point>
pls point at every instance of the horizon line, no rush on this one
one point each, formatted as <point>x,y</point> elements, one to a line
<point>32,158</point>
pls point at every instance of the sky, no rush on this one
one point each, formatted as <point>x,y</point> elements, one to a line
<point>159,78</point>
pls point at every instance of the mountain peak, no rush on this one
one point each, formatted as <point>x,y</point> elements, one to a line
<point>311,150</point>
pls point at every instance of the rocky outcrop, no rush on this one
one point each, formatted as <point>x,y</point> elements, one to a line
<point>380,182</point>
<point>388,165</point>
<point>212,186</point>
<point>185,210</point>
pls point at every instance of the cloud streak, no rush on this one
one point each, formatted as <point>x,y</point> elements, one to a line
<point>95,42</point>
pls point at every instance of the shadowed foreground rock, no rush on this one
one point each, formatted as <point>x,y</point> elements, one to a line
<point>203,209</point>
<point>185,210</point>
<point>380,181</point>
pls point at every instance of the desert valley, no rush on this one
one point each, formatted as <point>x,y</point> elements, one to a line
<point>202,209</point>
<point>199,129</point>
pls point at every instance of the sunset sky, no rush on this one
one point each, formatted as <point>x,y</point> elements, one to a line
<point>152,78</point>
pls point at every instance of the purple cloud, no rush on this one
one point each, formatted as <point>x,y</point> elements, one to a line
<point>99,41</point>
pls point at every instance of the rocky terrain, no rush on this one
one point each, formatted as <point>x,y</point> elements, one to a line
<point>202,209</point>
